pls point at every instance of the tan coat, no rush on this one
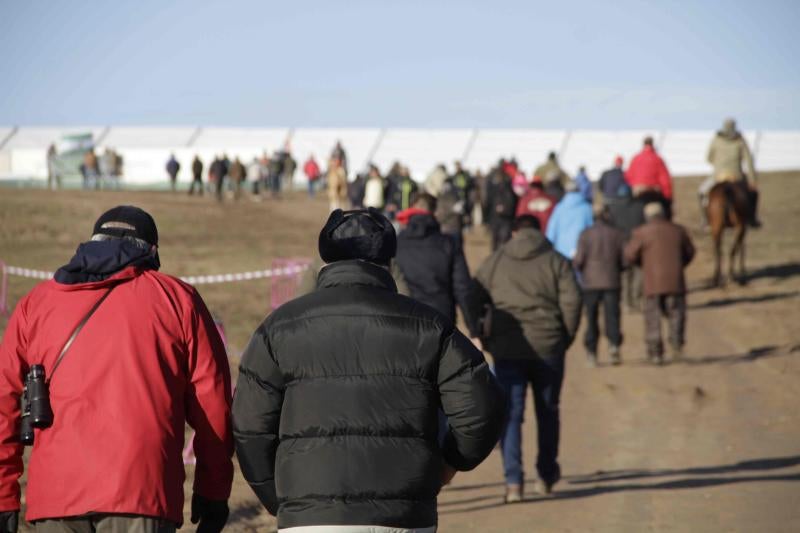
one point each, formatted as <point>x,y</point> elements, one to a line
<point>337,183</point>
<point>727,154</point>
<point>663,249</point>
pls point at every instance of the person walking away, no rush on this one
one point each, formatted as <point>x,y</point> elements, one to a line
<point>612,181</point>
<point>53,173</point>
<point>144,359</point>
<point>649,178</point>
<point>432,262</point>
<point>107,164</point>
<point>571,216</point>
<point>238,175</point>
<point>449,211</point>
<point>339,153</point>
<point>537,309</point>
<point>627,214</point>
<point>275,173</point>
<point>553,176</point>
<point>91,172</point>
<point>253,170</point>
<point>197,176</point>
<point>289,168</point>
<point>663,249</point>
<point>337,185</point>
<point>584,185</point>
<point>374,189</point>
<point>173,167</point>
<point>599,260</point>
<point>356,190</point>
<point>312,172</point>
<point>216,175</point>
<point>727,153</point>
<point>465,187</point>
<point>321,390</point>
<point>537,203</point>
<point>501,205</point>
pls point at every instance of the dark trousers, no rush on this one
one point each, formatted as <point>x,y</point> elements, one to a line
<point>501,231</point>
<point>611,316</point>
<point>198,181</point>
<point>545,377</point>
<point>104,523</point>
<point>673,306</point>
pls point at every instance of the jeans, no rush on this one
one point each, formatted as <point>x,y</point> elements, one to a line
<point>673,306</point>
<point>610,300</point>
<point>545,376</point>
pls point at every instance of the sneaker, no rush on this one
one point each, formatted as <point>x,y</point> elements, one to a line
<point>513,493</point>
<point>591,359</point>
<point>616,358</point>
<point>542,487</point>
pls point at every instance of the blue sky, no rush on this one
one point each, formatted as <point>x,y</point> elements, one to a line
<point>556,64</point>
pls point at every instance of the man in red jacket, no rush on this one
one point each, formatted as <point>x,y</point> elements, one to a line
<point>649,178</point>
<point>146,361</point>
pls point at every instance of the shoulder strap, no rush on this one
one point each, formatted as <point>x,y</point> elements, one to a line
<point>77,330</point>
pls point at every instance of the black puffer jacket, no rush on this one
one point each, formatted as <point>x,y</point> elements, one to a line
<point>335,412</point>
<point>433,266</point>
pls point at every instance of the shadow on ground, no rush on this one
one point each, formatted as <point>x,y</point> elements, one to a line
<point>688,478</point>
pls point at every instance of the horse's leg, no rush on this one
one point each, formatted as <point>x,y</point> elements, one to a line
<point>742,271</point>
<point>716,236</point>
<point>737,242</point>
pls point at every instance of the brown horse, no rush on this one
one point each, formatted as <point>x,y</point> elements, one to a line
<point>728,207</point>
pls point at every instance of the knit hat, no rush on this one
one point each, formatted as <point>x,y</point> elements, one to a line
<point>127,221</point>
<point>359,234</point>
<point>653,209</point>
<point>618,161</point>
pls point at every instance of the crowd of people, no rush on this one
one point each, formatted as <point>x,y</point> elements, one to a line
<point>357,401</point>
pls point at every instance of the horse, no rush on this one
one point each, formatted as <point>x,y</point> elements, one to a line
<point>728,207</point>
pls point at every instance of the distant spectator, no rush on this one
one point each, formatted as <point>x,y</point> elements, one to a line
<point>649,178</point>
<point>399,191</point>
<point>91,172</point>
<point>356,190</point>
<point>107,166</point>
<point>571,216</point>
<point>53,172</point>
<point>339,153</point>
<point>289,168</point>
<point>435,180</point>
<point>216,175</point>
<point>337,185</point>
<point>599,259</point>
<point>238,175</point>
<point>276,173</point>
<point>450,211</point>
<point>612,180</point>
<point>173,167</point>
<point>312,172</point>
<point>501,205</point>
<point>627,214</point>
<point>197,176</point>
<point>374,189</point>
<point>584,184</point>
<point>537,203</point>
<point>553,176</point>
<point>465,186</point>
<point>663,249</point>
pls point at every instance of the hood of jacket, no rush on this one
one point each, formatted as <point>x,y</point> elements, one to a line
<point>355,273</point>
<point>526,244</point>
<point>99,260</point>
<point>573,199</point>
<point>420,226</point>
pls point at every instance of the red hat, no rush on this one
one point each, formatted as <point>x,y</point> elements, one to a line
<point>536,179</point>
<point>618,161</point>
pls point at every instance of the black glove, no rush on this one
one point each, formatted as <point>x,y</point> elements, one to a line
<point>9,520</point>
<point>212,514</point>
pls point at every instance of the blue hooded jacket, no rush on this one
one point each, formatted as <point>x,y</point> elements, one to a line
<point>572,215</point>
<point>584,185</point>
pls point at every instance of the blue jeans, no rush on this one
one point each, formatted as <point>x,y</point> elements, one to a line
<point>545,376</point>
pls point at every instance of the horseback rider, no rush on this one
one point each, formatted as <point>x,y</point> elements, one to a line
<point>727,152</point>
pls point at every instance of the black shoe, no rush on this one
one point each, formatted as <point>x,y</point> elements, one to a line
<point>754,223</point>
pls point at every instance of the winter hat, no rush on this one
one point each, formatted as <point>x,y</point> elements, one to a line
<point>359,234</point>
<point>653,210</point>
<point>571,186</point>
<point>618,161</point>
<point>127,221</point>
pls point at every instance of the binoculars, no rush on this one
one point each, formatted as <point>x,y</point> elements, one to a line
<point>36,410</point>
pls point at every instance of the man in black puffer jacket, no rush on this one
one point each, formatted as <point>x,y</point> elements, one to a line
<point>335,412</point>
<point>432,263</point>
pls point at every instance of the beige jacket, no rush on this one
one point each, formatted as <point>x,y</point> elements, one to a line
<point>727,153</point>
<point>337,183</point>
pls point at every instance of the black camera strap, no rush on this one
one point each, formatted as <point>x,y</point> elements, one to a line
<point>77,330</point>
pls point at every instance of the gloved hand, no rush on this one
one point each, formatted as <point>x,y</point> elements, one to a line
<point>9,521</point>
<point>212,514</point>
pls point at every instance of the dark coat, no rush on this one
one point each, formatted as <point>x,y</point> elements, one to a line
<point>599,256</point>
<point>663,249</point>
<point>501,201</point>
<point>627,214</point>
<point>433,266</point>
<point>611,181</point>
<point>336,406</point>
<point>536,298</point>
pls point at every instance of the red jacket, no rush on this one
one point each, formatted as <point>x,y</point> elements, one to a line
<point>537,203</point>
<point>147,362</point>
<point>647,169</point>
<point>311,169</point>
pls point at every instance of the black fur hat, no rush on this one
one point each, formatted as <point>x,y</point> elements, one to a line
<point>360,234</point>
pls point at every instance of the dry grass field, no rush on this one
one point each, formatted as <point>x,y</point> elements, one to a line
<point>709,444</point>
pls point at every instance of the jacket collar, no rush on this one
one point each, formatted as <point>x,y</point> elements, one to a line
<point>99,260</point>
<point>526,243</point>
<point>420,226</point>
<point>355,273</point>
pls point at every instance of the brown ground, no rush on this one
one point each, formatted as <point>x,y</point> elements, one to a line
<point>708,444</point>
